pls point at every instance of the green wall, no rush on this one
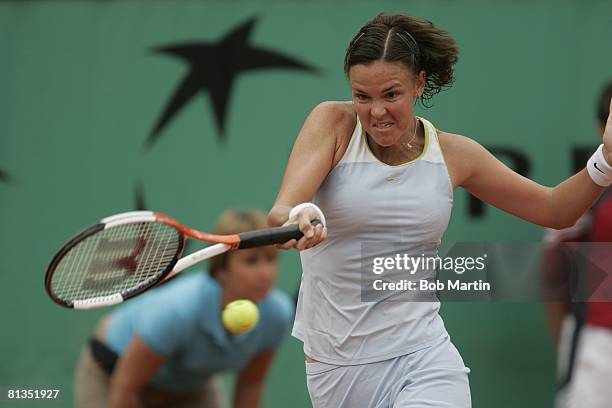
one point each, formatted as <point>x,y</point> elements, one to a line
<point>81,89</point>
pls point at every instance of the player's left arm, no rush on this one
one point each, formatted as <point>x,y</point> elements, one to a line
<point>250,384</point>
<point>554,207</point>
<point>472,167</point>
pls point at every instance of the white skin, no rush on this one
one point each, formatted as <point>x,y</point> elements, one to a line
<point>383,98</point>
<point>249,274</point>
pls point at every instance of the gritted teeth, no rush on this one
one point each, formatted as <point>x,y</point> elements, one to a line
<point>383,124</point>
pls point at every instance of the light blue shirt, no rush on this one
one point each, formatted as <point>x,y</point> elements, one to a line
<point>181,320</point>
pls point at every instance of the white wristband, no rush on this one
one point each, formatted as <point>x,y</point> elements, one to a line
<point>296,210</point>
<point>599,169</point>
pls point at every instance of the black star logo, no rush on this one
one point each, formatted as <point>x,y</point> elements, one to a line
<point>5,177</point>
<point>214,67</point>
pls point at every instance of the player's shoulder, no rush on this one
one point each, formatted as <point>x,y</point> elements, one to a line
<point>279,307</point>
<point>453,143</point>
<point>339,110</point>
<point>462,154</point>
<point>338,116</point>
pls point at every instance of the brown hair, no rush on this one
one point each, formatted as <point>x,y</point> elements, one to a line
<point>412,41</point>
<point>234,222</point>
<point>603,104</point>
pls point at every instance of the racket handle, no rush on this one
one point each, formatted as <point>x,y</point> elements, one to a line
<point>269,236</point>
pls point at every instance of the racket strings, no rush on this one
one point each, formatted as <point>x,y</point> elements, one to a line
<point>116,260</point>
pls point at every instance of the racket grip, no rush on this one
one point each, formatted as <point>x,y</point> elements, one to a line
<point>269,236</point>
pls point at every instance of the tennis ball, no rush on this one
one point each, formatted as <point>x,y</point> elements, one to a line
<point>240,316</point>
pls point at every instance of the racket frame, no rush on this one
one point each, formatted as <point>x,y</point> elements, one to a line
<point>131,217</point>
<point>222,243</point>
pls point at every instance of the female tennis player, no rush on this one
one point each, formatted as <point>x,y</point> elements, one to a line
<point>165,348</point>
<point>384,177</point>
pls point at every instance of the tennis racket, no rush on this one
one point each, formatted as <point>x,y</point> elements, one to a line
<point>126,254</point>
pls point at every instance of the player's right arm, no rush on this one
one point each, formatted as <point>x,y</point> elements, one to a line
<point>133,371</point>
<point>317,149</point>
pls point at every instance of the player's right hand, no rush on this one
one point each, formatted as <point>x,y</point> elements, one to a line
<point>313,235</point>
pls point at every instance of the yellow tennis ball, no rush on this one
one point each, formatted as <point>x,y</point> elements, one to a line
<point>240,316</point>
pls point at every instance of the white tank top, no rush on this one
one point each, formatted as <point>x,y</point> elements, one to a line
<point>372,209</point>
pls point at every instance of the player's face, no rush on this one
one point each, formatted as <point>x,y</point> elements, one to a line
<point>383,96</point>
<point>251,273</point>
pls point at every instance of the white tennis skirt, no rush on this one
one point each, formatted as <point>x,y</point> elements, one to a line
<point>432,377</point>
